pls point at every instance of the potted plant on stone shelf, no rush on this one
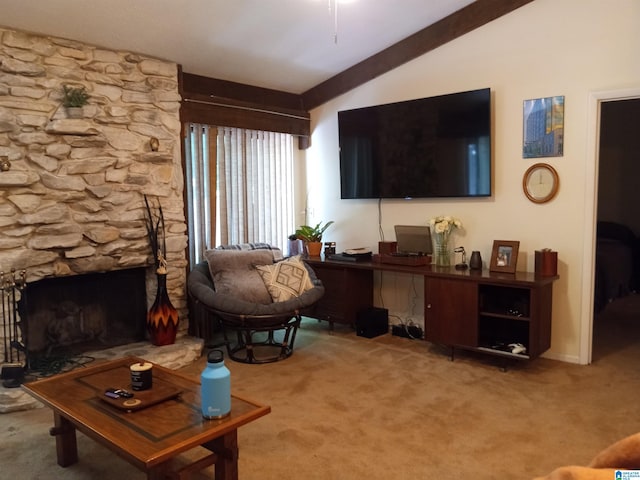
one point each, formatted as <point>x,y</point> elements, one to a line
<point>312,237</point>
<point>73,100</point>
<point>162,317</point>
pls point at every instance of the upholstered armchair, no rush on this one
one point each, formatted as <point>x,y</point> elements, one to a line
<point>255,297</point>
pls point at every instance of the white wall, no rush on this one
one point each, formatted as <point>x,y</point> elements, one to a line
<point>546,48</point>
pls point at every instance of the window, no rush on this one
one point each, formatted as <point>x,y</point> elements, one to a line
<point>239,187</point>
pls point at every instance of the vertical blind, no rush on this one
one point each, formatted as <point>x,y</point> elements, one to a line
<point>240,187</point>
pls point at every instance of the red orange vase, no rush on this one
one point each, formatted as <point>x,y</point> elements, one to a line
<point>162,318</point>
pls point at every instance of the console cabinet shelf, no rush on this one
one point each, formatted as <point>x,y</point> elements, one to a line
<point>485,315</point>
<point>482,311</point>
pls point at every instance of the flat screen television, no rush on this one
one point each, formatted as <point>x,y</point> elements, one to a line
<point>426,148</point>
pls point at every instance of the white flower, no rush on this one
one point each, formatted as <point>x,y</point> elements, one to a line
<point>443,224</point>
<point>440,227</point>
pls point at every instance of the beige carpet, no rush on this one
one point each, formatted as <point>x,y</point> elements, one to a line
<point>346,407</point>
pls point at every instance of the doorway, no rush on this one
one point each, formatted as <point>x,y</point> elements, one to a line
<point>615,304</point>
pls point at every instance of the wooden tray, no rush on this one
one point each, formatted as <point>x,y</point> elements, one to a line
<point>160,392</point>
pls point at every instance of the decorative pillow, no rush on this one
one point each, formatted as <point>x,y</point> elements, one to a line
<point>234,273</point>
<point>286,279</point>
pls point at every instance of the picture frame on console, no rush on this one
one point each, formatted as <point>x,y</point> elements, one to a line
<point>504,256</point>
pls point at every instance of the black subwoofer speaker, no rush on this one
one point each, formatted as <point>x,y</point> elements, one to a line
<point>372,322</point>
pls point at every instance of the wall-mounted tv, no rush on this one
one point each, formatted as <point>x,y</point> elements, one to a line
<point>426,148</point>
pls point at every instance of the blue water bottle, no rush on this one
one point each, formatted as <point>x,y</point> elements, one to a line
<point>215,387</point>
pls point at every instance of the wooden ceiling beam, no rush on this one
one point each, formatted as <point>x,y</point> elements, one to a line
<point>220,102</point>
<point>449,28</point>
<point>198,85</point>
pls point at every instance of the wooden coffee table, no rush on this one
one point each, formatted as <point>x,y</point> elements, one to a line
<point>150,438</point>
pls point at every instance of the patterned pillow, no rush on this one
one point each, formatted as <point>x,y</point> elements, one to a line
<point>286,279</point>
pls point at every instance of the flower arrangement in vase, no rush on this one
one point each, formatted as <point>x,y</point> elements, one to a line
<point>441,228</point>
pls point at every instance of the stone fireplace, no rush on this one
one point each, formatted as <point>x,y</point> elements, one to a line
<point>72,198</point>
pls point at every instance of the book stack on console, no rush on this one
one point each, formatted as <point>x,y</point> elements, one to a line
<point>409,260</point>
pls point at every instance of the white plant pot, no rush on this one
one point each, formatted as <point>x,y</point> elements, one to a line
<point>75,112</point>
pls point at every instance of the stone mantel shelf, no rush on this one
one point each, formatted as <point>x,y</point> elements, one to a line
<point>71,126</point>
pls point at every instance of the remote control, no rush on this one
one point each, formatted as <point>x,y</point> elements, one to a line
<point>123,393</point>
<point>111,394</point>
<point>117,393</point>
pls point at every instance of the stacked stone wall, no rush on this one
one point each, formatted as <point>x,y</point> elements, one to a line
<point>72,200</point>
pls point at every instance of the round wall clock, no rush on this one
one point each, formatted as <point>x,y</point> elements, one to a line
<point>540,183</point>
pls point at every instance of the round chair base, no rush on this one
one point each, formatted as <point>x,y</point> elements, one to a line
<point>260,339</point>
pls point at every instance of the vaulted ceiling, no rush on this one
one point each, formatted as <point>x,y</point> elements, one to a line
<point>289,45</point>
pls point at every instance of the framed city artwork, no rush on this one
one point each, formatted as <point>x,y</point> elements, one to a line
<point>504,256</point>
<point>543,127</point>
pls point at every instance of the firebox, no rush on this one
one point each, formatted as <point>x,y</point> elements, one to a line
<point>86,312</point>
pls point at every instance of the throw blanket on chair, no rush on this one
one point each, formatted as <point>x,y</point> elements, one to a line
<point>277,253</point>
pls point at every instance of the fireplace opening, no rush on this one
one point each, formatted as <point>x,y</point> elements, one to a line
<point>76,314</point>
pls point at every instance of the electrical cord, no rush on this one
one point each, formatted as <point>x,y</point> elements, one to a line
<point>380,230</point>
<point>407,329</point>
<point>380,290</point>
<point>412,311</point>
<point>401,321</point>
<point>46,366</point>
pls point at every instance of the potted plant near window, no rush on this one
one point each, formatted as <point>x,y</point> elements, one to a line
<point>312,237</point>
<point>74,98</point>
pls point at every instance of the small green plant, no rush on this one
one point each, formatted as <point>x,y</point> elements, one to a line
<point>74,96</point>
<point>308,233</point>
